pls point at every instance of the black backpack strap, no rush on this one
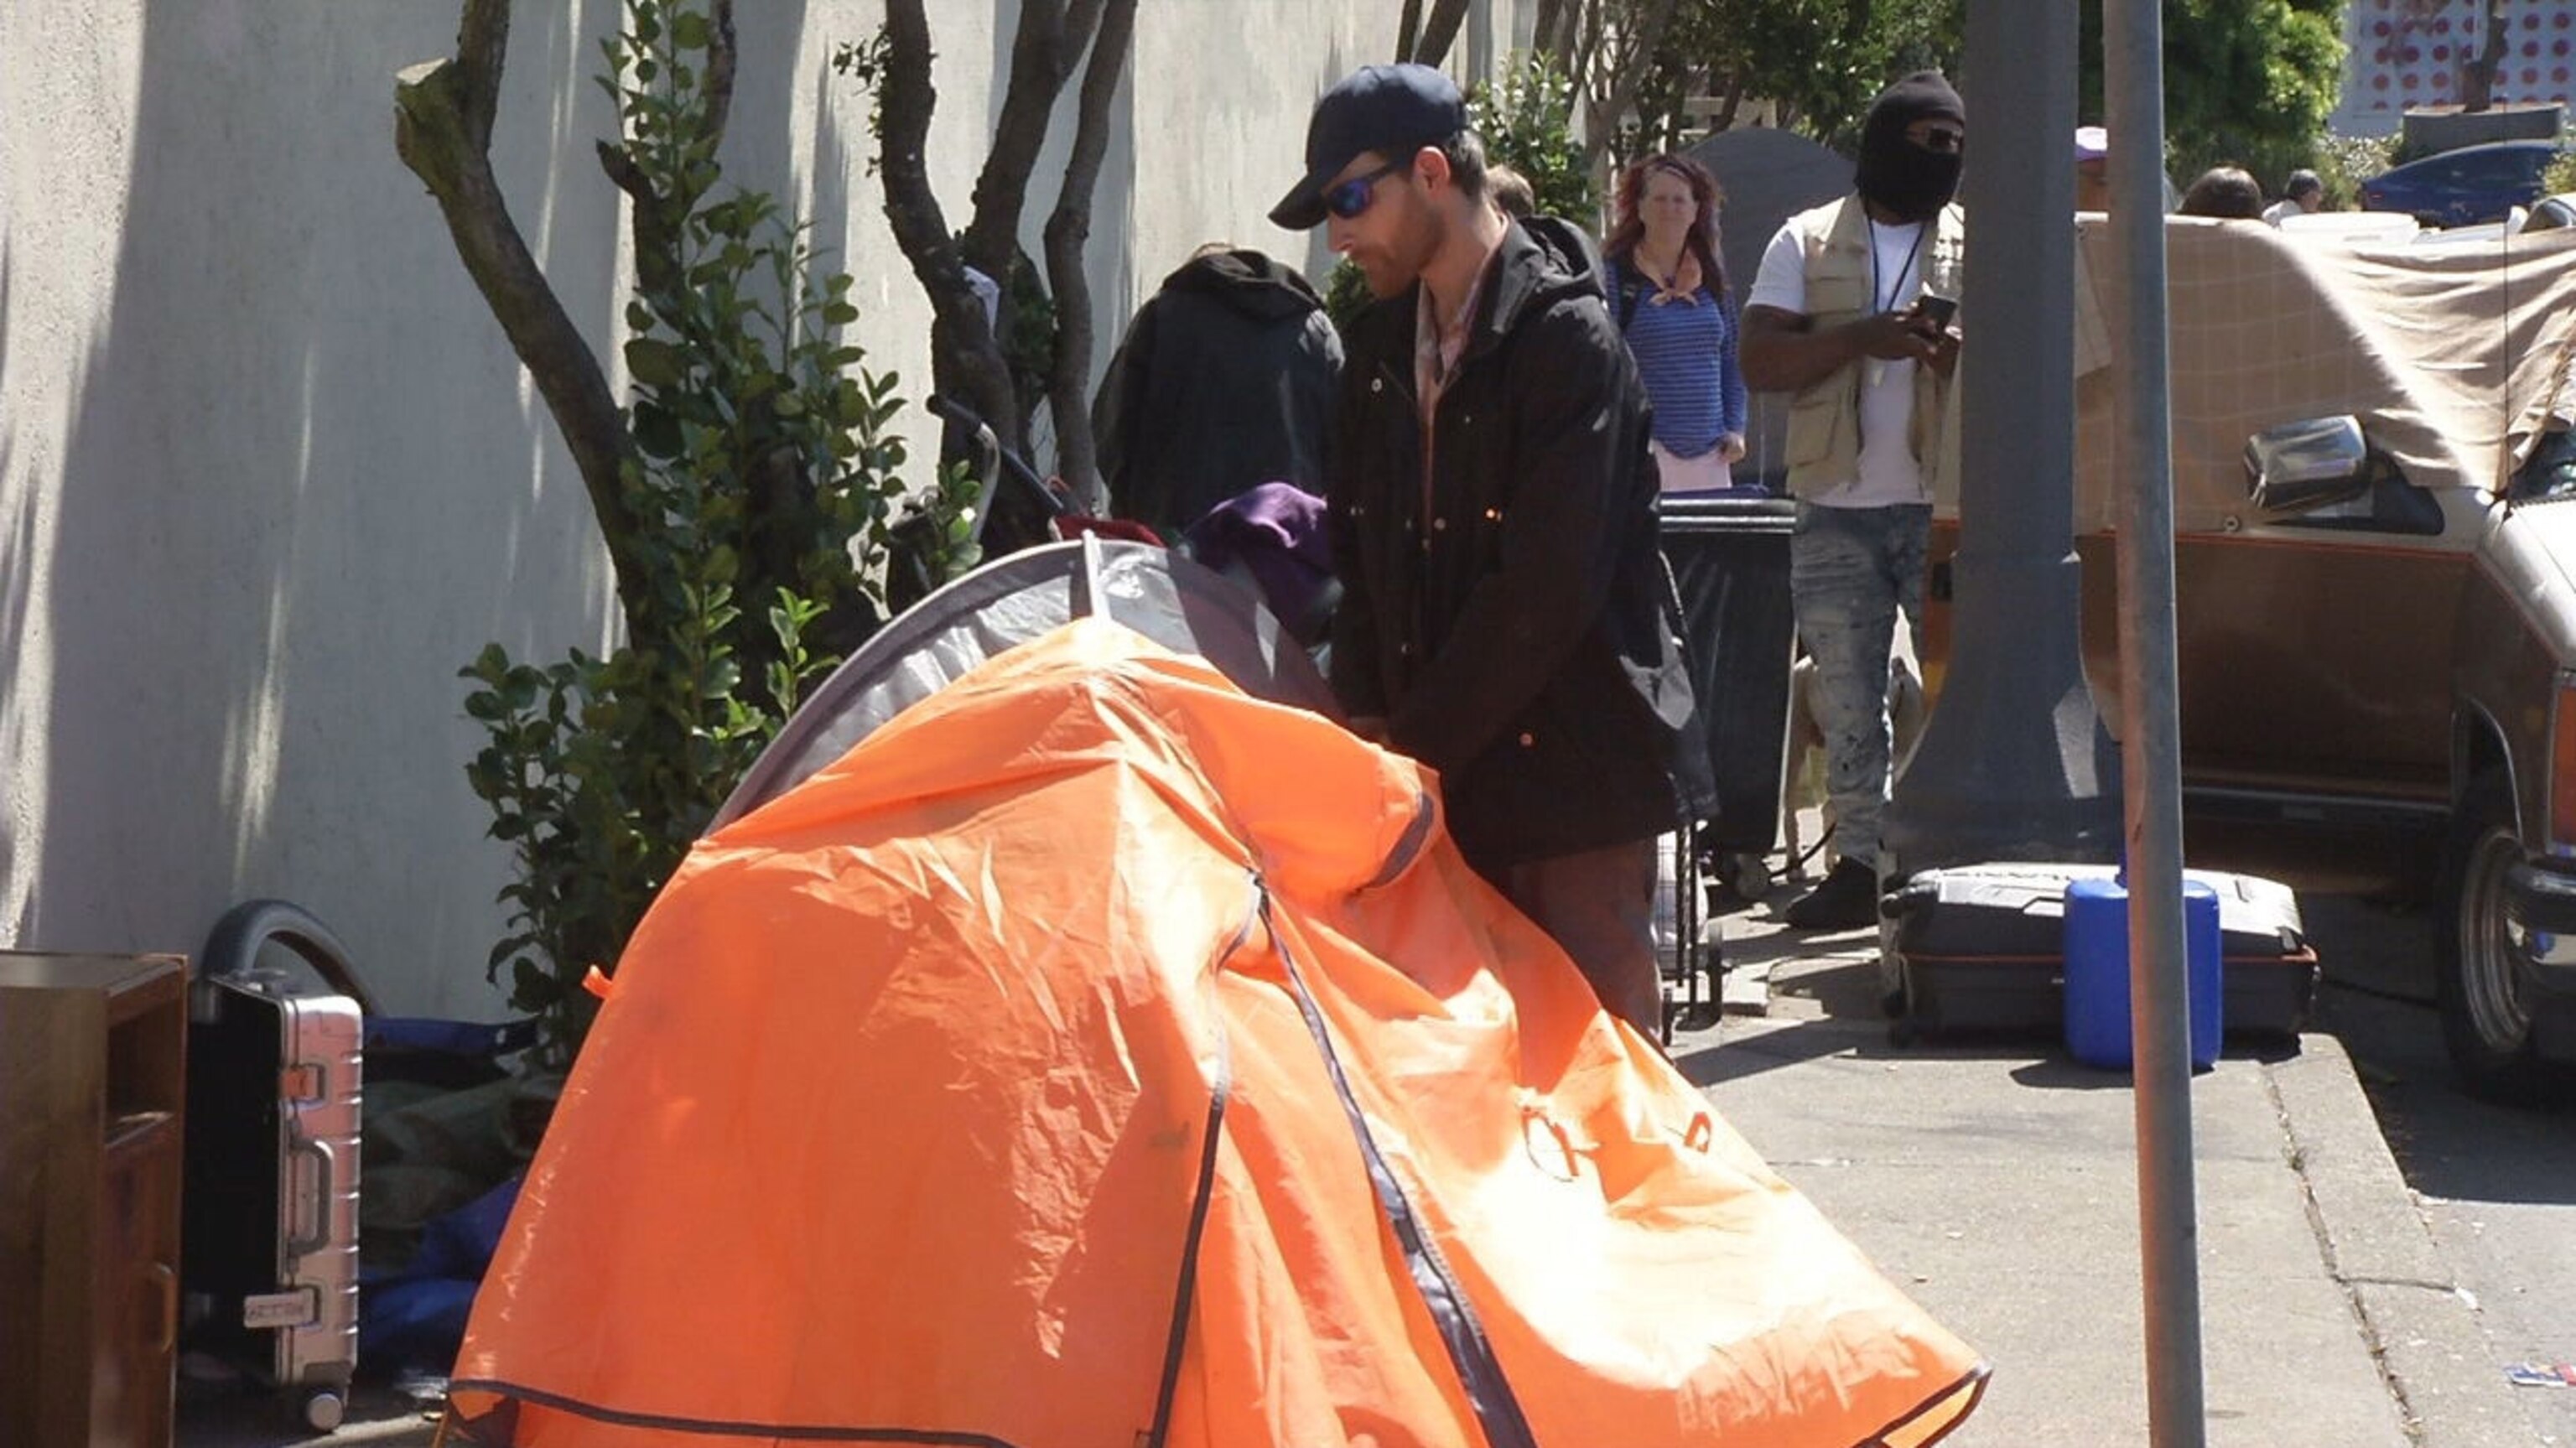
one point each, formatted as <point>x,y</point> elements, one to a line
<point>1632,287</point>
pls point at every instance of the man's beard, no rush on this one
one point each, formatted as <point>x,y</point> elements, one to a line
<point>1393,269</point>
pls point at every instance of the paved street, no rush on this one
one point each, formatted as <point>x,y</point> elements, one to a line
<point>2497,1187</point>
<point>2486,1278</point>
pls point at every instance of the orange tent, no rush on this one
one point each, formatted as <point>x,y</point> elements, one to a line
<point>1099,1055</point>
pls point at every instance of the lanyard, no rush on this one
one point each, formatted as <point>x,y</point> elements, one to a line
<point>1882,301</point>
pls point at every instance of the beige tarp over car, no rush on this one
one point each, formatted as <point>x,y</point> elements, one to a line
<point>2449,353</point>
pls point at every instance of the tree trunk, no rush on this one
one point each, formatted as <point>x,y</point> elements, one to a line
<point>966,363</point>
<point>1049,42</point>
<point>1552,33</point>
<point>1623,70</point>
<point>443,131</point>
<point>2477,83</point>
<point>1069,381</point>
<point>1408,30</point>
<point>1439,30</point>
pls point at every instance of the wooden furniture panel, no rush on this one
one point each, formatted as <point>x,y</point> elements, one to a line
<point>93,1091</point>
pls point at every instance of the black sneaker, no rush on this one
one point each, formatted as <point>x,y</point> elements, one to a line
<point>1847,900</point>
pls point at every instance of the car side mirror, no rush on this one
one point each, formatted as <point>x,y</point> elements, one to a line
<point>2298,466</point>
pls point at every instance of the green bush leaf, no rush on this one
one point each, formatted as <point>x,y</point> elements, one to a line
<point>655,363</point>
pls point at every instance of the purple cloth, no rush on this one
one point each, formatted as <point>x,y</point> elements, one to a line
<point>1276,533</point>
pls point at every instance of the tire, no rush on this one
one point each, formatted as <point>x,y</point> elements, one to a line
<point>2484,989</point>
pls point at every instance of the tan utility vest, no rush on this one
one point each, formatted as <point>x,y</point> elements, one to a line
<point>1823,450</point>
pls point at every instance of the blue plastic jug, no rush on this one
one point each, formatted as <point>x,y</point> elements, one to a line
<point>2097,971</point>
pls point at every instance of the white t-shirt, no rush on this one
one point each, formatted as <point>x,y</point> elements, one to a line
<point>2282,210</point>
<point>1888,471</point>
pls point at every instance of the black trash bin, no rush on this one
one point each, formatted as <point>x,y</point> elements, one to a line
<point>1730,559</point>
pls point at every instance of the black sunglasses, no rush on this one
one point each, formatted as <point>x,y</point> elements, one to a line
<point>1347,199</point>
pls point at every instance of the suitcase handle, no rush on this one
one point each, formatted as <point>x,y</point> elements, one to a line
<point>235,941</point>
<point>325,1174</point>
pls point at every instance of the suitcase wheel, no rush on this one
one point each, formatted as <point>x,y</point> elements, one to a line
<point>322,1409</point>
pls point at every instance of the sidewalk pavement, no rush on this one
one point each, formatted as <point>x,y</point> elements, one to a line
<point>1997,1183</point>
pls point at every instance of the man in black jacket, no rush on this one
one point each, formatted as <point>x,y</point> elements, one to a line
<point>1506,617</point>
<point>1223,382</point>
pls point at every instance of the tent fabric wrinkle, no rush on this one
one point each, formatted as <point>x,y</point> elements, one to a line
<point>1095,1052</point>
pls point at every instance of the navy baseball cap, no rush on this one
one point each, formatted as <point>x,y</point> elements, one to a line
<point>1390,109</point>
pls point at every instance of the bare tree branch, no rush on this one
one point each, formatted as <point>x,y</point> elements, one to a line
<point>1069,380</point>
<point>2477,80</point>
<point>1408,30</point>
<point>1586,45</point>
<point>719,77</point>
<point>443,114</point>
<point>965,361</point>
<point>1440,30</point>
<point>1553,34</point>
<point>1050,41</point>
<point>1642,32</point>
<point>650,216</point>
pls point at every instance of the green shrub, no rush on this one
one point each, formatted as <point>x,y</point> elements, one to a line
<point>2561,175</point>
<point>2344,162</point>
<point>764,475</point>
<point>1526,116</point>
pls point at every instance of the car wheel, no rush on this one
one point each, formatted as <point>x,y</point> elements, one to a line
<point>2483,985</point>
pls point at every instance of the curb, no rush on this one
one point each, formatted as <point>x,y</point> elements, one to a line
<point>2379,1249</point>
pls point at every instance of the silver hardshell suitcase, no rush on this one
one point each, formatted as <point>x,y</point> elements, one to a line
<point>271,1207</point>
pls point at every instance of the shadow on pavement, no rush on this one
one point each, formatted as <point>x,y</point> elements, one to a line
<point>2378,1001</point>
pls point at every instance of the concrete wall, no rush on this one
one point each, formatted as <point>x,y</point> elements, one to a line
<point>269,474</point>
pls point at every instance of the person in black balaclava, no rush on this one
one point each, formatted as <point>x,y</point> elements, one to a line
<point>1911,147</point>
<point>1851,313</point>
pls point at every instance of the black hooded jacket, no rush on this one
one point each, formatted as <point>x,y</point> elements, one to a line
<point>1223,382</point>
<point>1522,637</point>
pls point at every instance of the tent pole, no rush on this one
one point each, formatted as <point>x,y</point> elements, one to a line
<point>2160,1020</point>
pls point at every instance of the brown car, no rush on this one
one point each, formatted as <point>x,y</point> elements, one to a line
<point>2375,555</point>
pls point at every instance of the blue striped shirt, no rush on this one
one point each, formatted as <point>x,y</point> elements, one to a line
<point>1686,353</point>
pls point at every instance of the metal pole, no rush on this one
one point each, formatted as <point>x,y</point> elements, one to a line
<point>2014,763</point>
<point>2151,745</point>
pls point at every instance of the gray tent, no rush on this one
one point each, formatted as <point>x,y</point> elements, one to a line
<point>1167,598</point>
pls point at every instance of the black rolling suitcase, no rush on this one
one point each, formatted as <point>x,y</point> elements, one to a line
<point>1981,949</point>
<point>270,1218</point>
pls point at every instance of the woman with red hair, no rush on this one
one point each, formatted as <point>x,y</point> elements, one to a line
<point>1669,291</point>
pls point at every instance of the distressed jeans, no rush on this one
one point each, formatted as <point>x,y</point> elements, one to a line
<point>1851,571</point>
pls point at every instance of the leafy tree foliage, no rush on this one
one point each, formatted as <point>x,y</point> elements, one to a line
<point>1526,116</point>
<point>2247,82</point>
<point>1819,61</point>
